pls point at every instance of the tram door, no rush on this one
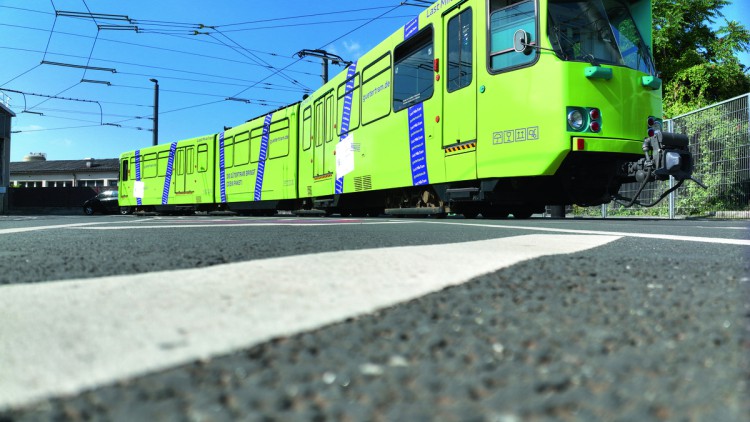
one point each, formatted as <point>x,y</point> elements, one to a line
<point>460,97</point>
<point>323,159</point>
<point>179,173</point>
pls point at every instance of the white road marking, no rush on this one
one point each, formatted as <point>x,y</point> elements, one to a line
<point>722,228</point>
<point>190,224</point>
<point>57,226</point>
<point>724,241</point>
<point>64,337</point>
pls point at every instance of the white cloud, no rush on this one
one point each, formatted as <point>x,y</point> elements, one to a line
<point>353,50</point>
<point>352,47</point>
<point>349,50</point>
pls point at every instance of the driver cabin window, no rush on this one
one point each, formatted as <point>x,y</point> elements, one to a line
<point>507,17</point>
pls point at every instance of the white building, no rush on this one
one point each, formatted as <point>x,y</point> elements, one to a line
<point>36,171</point>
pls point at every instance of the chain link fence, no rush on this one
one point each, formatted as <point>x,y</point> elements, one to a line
<point>720,143</point>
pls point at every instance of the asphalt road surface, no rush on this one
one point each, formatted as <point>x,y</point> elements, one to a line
<point>213,318</point>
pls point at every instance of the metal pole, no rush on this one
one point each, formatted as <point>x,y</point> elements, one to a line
<point>156,111</point>
<point>325,71</point>
<point>670,128</point>
<point>671,198</point>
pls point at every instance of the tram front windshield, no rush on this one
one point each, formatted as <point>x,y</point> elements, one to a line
<point>598,32</point>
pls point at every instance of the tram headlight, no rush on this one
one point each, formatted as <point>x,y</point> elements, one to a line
<point>576,120</point>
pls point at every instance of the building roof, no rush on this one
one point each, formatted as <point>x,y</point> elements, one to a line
<point>65,166</point>
<point>6,110</point>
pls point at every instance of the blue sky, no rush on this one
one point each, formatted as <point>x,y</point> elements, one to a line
<point>196,72</point>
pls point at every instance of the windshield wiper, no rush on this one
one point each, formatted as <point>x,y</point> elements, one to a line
<point>568,53</point>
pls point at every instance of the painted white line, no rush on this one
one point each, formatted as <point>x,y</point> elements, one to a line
<point>36,228</point>
<point>724,241</point>
<point>722,228</point>
<point>189,225</point>
<point>63,337</point>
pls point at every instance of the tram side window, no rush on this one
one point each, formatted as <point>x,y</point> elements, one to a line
<point>460,59</point>
<point>124,174</point>
<point>278,139</point>
<point>504,22</point>
<point>148,166</point>
<point>329,118</point>
<point>202,158</point>
<point>190,160</point>
<point>256,139</point>
<point>376,87</point>
<point>413,74</point>
<point>228,152</point>
<point>162,161</point>
<point>241,149</point>
<point>179,161</point>
<point>353,112</point>
<point>320,125</point>
<point>306,128</point>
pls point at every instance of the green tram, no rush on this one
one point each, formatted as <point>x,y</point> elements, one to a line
<point>496,107</point>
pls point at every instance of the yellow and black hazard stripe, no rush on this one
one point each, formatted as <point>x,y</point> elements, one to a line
<point>460,147</point>
<point>323,176</point>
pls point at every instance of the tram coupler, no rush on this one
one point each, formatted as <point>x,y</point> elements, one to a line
<point>665,154</point>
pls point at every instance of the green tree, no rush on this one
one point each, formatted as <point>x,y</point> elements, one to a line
<point>698,65</point>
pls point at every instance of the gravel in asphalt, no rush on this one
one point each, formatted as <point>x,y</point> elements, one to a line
<point>623,334</point>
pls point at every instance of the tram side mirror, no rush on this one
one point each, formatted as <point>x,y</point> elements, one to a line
<point>521,40</point>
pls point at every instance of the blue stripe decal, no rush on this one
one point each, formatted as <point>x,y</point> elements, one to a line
<point>168,177</point>
<point>222,170</point>
<point>138,201</point>
<point>419,174</point>
<point>262,157</point>
<point>346,115</point>
<point>411,28</point>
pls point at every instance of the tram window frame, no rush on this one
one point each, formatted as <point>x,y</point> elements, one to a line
<point>276,127</point>
<point>330,116</point>
<point>356,92</point>
<point>256,135</point>
<point>508,40</point>
<point>380,66</point>
<point>320,122</point>
<point>307,128</point>
<point>228,151</point>
<point>405,53</point>
<point>189,159</point>
<point>179,161</point>
<point>242,148</point>
<point>162,160</point>
<point>454,39</point>
<point>125,167</point>
<point>148,166</point>
<point>202,158</point>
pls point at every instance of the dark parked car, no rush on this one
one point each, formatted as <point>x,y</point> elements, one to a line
<point>105,203</point>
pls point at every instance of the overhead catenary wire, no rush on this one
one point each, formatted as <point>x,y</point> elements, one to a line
<point>331,42</point>
<point>161,49</point>
<point>259,60</point>
<point>219,36</point>
<point>296,61</point>
<point>56,97</point>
